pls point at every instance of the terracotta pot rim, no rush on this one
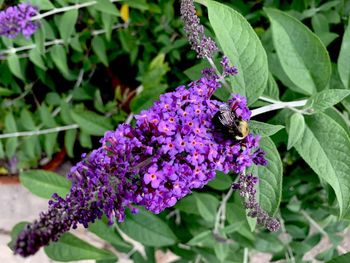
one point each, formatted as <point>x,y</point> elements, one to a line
<point>9,179</point>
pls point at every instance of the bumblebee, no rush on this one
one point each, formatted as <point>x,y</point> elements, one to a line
<point>226,121</point>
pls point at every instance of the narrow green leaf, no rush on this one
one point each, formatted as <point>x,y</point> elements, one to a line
<point>207,206</point>
<point>325,146</point>
<point>5,92</point>
<point>69,139</point>
<point>67,23</point>
<point>15,66</point>
<point>10,127</point>
<point>99,47</point>
<point>46,116</point>
<point>243,47</point>
<point>343,59</point>
<point>272,89</point>
<point>70,248</point>
<point>148,229</point>
<point>326,99</point>
<point>303,57</point>
<point>198,239</point>
<point>91,122</point>
<point>35,57</point>
<point>39,40</point>
<point>270,177</point>
<point>107,7</point>
<point>232,228</point>
<point>295,129</point>
<point>59,57</point>
<point>85,140</point>
<point>44,184</point>
<point>264,129</point>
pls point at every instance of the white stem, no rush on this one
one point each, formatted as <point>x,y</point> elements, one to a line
<point>267,99</point>
<point>278,105</point>
<point>221,77</point>
<point>56,41</point>
<point>66,8</point>
<point>221,210</point>
<point>246,255</point>
<point>39,132</point>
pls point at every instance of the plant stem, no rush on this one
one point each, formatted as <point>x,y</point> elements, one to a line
<point>246,255</point>
<point>278,105</point>
<point>219,215</point>
<point>66,8</point>
<point>39,132</point>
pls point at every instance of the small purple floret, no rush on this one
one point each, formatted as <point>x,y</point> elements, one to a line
<point>17,19</point>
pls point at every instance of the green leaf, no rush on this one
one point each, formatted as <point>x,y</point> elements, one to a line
<point>59,57</point>
<point>14,233</point>
<point>5,92</point>
<point>99,47</point>
<point>264,129</point>
<point>43,4</point>
<point>70,248</point>
<point>15,66</point>
<point>325,146</point>
<point>345,258</point>
<point>107,7</point>
<point>303,57</point>
<point>198,239</point>
<point>272,89</point>
<point>44,184</point>
<point>46,116</point>
<point>35,57</point>
<point>10,127</point>
<point>270,177</point>
<point>148,229</point>
<point>232,228</point>
<point>243,47</point>
<point>295,129</point>
<point>109,233</point>
<point>91,122</point>
<point>207,206</point>
<point>221,251</point>
<point>67,23</point>
<point>85,140</point>
<point>326,99</point>
<point>221,182</point>
<point>343,59</point>
<point>69,140</point>
<point>39,40</point>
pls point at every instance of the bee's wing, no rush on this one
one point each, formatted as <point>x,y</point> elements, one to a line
<point>227,117</point>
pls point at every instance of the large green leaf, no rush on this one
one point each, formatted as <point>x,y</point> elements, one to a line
<point>70,248</point>
<point>44,184</point>
<point>99,47</point>
<point>240,43</point>
<point>270,177</point>
<point>148,229</point>
<point>91,122</point>
<point>303,57</point>
<point>15,66</point>
<point>343,59</point>
<point>325,146</point>
<point>345,258</point>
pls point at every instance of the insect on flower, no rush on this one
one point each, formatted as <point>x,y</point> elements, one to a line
<point>226,121</point>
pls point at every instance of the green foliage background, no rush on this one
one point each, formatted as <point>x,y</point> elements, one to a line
<point>67,85</point>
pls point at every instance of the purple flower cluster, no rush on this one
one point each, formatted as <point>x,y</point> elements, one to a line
<point>246,186</point>
<point>172,150</point>
<point>18,19</point>
<point>203,45</point>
